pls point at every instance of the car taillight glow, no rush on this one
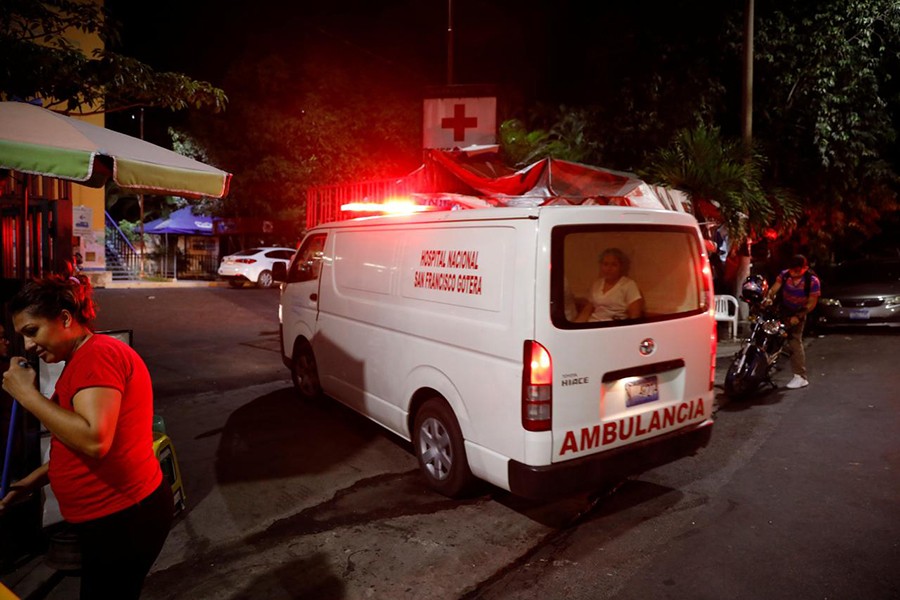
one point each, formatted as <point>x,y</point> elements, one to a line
<point>245,261</point>
<point>537,387</point>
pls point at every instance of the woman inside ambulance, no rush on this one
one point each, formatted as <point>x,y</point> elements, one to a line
<point>613,295</point>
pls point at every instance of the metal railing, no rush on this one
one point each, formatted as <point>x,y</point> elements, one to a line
<point>121,256</point>
<point>179,265</point>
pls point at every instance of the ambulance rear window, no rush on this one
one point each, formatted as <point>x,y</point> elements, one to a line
<point>607,276</point>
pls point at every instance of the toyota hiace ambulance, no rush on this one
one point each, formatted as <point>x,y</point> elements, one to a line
<point>459,331</point>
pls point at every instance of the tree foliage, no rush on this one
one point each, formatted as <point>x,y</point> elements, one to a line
<point>719,171</point>
<point>38,59</point>
<point>825,116</point>
<point>320,117</point>
<point>566,138</point>
<point>826,109</point>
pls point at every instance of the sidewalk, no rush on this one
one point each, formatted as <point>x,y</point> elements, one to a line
<point>170,283</point>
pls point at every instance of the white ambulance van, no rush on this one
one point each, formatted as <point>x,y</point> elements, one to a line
<point>464,332</point>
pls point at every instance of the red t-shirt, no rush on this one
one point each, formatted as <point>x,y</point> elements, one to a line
<point>88,488</point>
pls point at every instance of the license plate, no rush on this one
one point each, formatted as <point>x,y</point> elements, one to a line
<point>859,313</point>
<point>641,390</point>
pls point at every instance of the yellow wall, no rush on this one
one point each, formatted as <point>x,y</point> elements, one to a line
<point>92,244</point>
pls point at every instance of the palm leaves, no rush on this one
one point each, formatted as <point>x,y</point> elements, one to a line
<point>709,168</point>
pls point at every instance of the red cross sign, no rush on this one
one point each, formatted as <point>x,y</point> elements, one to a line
<point>459,122</point>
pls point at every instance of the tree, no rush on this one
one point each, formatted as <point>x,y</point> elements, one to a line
<point>38,60</point>
<point>307,112</point>
<point>566,138</point>
<point>711,169</point>
<point>826,108</point>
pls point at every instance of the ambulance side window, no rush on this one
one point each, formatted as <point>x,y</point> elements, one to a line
<point>308,264</point>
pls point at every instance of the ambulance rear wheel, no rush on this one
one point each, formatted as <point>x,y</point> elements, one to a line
<point>440,450</point>
<point>305,374</point>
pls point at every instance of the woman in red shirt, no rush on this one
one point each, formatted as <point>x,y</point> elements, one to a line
<point>102,467</point>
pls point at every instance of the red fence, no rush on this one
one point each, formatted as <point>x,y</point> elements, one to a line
<point>323,203</point>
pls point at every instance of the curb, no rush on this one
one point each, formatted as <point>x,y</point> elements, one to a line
<point>121,285</point>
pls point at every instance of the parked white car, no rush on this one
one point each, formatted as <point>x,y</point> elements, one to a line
<point>253,265</point>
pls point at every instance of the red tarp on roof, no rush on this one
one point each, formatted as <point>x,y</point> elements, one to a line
<point>477,177</point>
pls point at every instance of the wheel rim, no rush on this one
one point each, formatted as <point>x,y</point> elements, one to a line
<point>305,375</point>
<point>435,448</point>
<point>265,279</point>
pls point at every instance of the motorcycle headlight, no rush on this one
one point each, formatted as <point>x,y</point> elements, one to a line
<point>771,327</point>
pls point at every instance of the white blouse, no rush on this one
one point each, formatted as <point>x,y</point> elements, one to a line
<point>614,303</point>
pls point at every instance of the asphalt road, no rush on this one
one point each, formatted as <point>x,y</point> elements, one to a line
<point>198,340</point>
<point>797,496</point>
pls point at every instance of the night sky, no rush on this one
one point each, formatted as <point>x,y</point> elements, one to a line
<point>558,51</point>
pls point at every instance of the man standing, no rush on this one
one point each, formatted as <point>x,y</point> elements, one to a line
<point>799,290</point>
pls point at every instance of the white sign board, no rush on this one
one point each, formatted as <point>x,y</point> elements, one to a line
<point>459,122</point>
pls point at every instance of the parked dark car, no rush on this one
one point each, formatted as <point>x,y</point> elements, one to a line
<point>860,293</point>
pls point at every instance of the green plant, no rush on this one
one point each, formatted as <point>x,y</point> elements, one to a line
<point>700,162</point>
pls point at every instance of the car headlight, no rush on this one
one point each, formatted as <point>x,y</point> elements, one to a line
<point>829,302</point>
<point>892,300</point>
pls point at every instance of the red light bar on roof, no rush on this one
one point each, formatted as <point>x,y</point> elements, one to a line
<point>393,207</point>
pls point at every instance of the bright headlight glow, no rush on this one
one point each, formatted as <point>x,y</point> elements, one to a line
<point>771,327</point>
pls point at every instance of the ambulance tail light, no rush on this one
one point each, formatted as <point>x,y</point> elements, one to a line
<point>713,341</point>
<point>710,303</point>
<point>706,279</point>
<point>537,387</point>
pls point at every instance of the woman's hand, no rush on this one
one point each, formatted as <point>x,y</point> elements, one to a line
<point>19,378</point>
<point>13,496</point>
<point>21,490</point>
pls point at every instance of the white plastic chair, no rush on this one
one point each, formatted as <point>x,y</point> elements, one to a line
<point>727,310</point>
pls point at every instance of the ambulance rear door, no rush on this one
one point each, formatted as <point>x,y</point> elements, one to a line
<point>624,380</point>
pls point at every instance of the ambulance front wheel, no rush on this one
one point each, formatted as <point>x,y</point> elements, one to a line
<point>439,448</point>
<point>304,372</point>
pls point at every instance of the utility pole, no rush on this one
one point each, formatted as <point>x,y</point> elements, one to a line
<point>747,92</point>
<point>746,134</point>
<point>449,42</point>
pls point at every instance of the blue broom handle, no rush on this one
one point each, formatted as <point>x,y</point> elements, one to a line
<point>4,484</point>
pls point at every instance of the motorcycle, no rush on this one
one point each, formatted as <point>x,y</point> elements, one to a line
<point>753,365</point>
